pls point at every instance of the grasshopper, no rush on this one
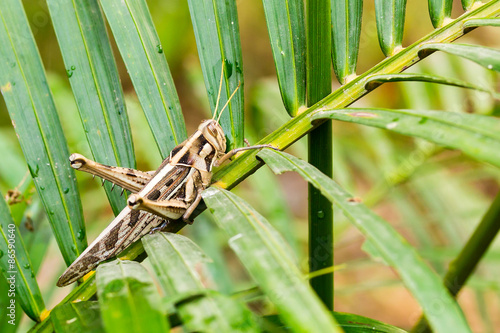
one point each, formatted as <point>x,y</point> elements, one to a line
<point>169,193</point>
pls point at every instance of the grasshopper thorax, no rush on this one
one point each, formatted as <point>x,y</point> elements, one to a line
<point>214,134</point>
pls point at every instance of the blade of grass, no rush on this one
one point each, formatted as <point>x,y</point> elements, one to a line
<point>346,30</point>
<point>178,262</point>
<point>476,135</point>
<point>320,142</point>
<point>269,261</point>
<point>377,80</point>
<point>467,4</point>
<point>285,24</point>
<point>390,16</point>
<point>142,53</point>
<point>462,267</point>
<point>482,55</point>
<point>421,281</point>
<point>439,11</point>
<point>34,117</point>
<point>215,24</point>
<point>77,317</point>
<point>16,268</point>
<point>93,75</point>
<point>128,298</point>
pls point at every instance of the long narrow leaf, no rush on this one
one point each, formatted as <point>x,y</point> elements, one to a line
<point>267,258</point>
<point>467,4</point>
<point>476,135</point>
<point>215,24</point>
<point>376,80</point>
<point>32,110</point>
<point>128,298</point>
<point>346,25</point>
<point>482,55</point>
<point>16,268</point>
<point>482,23</point>
<point>439,10</point>
<point>93,75</point>
<point>178,262</point>
<point>286,27</point>
<point>77,317</point>
<point>422,282</point>
<point>142,53</point>
<point>390,16</point>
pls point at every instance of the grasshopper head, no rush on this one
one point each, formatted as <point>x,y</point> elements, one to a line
<point>214,134</point>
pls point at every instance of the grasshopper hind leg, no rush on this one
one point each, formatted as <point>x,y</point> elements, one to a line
<point>128,179</point>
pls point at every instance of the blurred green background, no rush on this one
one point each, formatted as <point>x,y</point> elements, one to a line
<point>434,197</point>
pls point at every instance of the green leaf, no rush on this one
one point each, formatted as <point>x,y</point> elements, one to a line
<point>142,53</point>
<point>346,30</point>
<point>269,261</point>
<point>32,110</point>
<point>286,27</point>
<point>390,16</point>
<point>77,317</point>
<point>484,22</point>
<point>467,4</point>
<point>215,24</point>
<point>422,282</point>
<point>476,135</point>
<point>351,323</point>
<point>439,10</point>
<point>129,299</point>
<point>93,75</point>
<point>16,267</point>
<point>177,262</point>
<point>374,81</point>
<point>482,55</point>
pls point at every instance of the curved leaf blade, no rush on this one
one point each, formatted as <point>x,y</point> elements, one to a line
<point>484,22</point>
<point>215,24</point>
<point>177,262</point>
<point>286,27</point>
<point>16,267</point>
<point>268,260</point>
<point>128,298</point>
<point>467,4</point>
<point>142,53</point>
<point>77,317</point>
<point>439,10</point>
<point>476,135</point>
<point>390,17</point>
<point>485,56</point>
<point>33,113</point>
<point>422,282</point>
<point>93,76</point>
<point>374,81</point>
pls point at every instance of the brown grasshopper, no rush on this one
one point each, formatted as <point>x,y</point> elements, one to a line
<point>169,193</point>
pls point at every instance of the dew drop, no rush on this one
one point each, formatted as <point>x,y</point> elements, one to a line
<point>320,214</point>
<point>42,188</point>
<point>159,48</point>
<point>73,68</point>
<point>26,266</point>
<point>32,274</point>
<point>490,66</point>
<point>81,234</point>
<point>66,190</point>
<point>73,248</point>
<point>1,253</point>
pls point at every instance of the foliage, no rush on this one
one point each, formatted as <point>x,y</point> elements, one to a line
<point>191,282</point>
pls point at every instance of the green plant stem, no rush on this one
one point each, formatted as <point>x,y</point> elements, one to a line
<point>320,141</point>
<point>466,262</point>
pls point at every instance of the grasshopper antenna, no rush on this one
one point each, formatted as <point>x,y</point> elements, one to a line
<point>229,100</point>
<point>220,89</point>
